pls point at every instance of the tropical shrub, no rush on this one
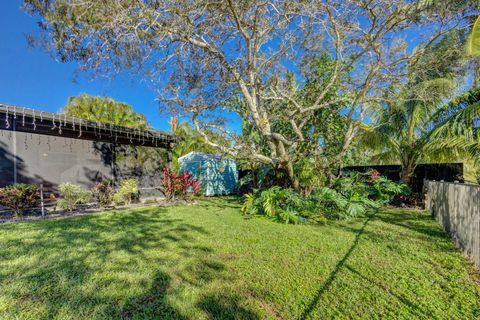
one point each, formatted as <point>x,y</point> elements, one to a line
<point>280,204</point>
<point>169,184</point>
<point>333,204</point>
<point>18,197</point>
<point>182,185</point>
<point>385,190</point>
<point>72,195</point>
<point>370,185</point>
<point>187,185</point>
<point>350,196</point>
<point>128,188</point>
<point>103,192</point>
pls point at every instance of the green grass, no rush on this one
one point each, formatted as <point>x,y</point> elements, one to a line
<point>208,262</point>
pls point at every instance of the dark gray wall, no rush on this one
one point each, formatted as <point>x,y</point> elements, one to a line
<point>36,158</point>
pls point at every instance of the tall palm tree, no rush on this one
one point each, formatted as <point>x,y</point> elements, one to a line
<point>106,110</point>
<point>415,126</point>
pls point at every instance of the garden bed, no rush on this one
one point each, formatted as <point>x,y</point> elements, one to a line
<point>51,212</point>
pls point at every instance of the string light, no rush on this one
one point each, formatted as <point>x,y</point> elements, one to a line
<point>7,123</point>
<point>33,121</point>
<point>53,121</point>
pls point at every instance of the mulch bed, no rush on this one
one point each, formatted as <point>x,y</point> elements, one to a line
<point>50,212</point>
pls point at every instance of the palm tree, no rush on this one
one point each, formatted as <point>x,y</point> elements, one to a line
<point>106,110</point>
<point>190,141</point>
<point>416,127</point>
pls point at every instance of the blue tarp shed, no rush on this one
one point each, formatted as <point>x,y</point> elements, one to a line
<point>219,175</point>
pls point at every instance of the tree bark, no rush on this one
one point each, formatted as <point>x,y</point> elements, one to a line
<point>293,177</point>
<point>407,173</point>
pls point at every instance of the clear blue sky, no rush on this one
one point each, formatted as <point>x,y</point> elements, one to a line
<point>31,78</point>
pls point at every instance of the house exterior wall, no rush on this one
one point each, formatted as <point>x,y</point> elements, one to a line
<point>50,160</point>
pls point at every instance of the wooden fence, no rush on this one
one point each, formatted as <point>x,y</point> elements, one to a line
<point>456,207</point>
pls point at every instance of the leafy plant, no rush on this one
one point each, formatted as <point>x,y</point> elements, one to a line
<point>351,196</point>
<point>104,193</point>
<point>168,184</point>
<point>187,186</point>
<point>128,188</point>
<point>384,190</point>
<point>280,204</point>
<point>182,185</point>
<point>18,197</point>
<point>72,195</point>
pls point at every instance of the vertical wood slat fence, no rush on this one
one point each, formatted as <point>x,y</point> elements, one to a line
<point>456,207</point>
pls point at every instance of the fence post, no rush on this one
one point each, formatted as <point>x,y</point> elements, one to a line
<point>41,200</point>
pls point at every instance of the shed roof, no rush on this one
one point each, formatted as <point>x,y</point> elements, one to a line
<point>59,124</point>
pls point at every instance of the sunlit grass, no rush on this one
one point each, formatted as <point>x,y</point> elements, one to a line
<point>206,261</point>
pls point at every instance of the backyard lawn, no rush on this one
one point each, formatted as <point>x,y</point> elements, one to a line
<point>206,261</point>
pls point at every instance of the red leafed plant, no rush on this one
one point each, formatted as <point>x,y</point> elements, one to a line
<point>169,179</point>
<point>196,186</point>
<point>374,175</point>
<point>182,185</point>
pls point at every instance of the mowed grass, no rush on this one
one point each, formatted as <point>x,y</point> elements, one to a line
<point>206,261</point>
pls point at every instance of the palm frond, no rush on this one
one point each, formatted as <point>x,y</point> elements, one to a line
<point>473,44</point>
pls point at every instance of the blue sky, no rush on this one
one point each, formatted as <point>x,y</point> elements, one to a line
<point>31,78</point>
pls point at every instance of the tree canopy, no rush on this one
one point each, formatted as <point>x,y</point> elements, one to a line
<point>106,110</point>
<point>201,54</point>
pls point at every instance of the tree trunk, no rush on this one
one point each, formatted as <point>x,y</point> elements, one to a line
<point>407,174</point>
<point>292,176</point>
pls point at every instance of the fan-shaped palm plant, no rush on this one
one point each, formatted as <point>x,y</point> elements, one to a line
<point>106,110</point>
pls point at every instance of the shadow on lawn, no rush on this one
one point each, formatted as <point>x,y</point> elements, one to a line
<point>66,257</point>
<point>328,282</point>
<point>417,225</point>
<point>414,221</point>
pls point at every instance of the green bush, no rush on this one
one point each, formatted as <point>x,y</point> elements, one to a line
<point>128,188</point>
<point>384,190</point>
<point>72,195</point>
<point>350,196</point>
<point>280,204</point>
<point>18,197</point>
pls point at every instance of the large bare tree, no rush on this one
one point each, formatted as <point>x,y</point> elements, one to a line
<point>199,54</point>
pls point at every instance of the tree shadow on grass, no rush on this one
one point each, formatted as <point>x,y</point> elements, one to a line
<point>226,307</point>
<point>86,266</point>
<point>418,222</point>
<point>151,305</point>
<point>333,275</point>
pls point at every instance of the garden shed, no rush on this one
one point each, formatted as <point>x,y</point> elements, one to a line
<point>38,147</point>
<point>218,174</point>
